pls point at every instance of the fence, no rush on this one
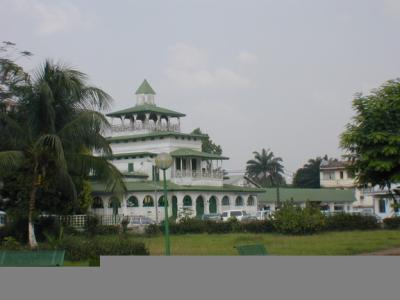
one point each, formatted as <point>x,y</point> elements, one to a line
<point>79,221</point>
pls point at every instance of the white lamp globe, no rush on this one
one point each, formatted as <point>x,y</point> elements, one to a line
<point>163,161</point>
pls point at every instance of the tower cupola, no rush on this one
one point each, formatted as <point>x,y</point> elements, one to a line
<point>145,94</point>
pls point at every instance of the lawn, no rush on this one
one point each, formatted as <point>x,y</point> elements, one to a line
<point>329,243</point>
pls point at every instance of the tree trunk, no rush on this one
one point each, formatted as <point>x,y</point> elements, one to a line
<point>32,199</point>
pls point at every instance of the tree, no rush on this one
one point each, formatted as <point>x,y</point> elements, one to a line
<point>308,175</point>
<point>266,169</point>
<point>207,144</point>
<point>12,76</point>
<point>372,139</point>
<point>53,134</point>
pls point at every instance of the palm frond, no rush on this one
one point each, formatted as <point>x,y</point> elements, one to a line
<point>10,161</point>
<point>99,168</point>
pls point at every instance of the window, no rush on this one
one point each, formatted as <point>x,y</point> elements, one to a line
<point>97,202</point>
<point>187,201</point>
<point>338,207</point>
<point>155,173</point>
<point>225,201</point>
<point>396,206</point>
<point>324,207</point>
<point>148,201</point>
<point>132,202</point>
<point>341,175</point>
<point>178,163</point>
<point>236,213</point>
<point>225,214</point>
<point>239,201</point>
<point>250,201</point>
<point>161,201</point>
<point>130,167</point>
<point>382,206</point>
<point>328,175</point>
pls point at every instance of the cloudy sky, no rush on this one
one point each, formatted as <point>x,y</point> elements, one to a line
<point>252,74</point>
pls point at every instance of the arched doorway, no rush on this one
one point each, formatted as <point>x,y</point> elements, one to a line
<point>199,207</point>
<point>212,205</point>
<point>174,207</point>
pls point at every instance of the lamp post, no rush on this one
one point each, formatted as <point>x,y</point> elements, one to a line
<point>163,162</point>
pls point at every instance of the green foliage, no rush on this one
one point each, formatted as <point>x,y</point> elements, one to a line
<point>291,219</point>
<point>124,225</point>
<point>343,221</point>
<point>51,137</point>
<point>92,224</point>
<point>372,139</point>
<point>266,169</point>
<point>308,175</point>
<point>83,248</point>
<point>85,199</point>
<point>208,145</point>
<point>193,225</point>
<point>10,243</point>
<point>263,226</point>
<point>153,229</point>
<point>392,223</point>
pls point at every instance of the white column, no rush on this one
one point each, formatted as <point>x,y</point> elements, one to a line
<point>147,118</point>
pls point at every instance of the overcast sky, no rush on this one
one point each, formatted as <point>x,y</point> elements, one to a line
<point>252,74</point>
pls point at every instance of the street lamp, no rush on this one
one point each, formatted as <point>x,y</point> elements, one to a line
<point>163,162</point>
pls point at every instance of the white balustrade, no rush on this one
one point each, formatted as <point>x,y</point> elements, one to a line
<point>144,126</point>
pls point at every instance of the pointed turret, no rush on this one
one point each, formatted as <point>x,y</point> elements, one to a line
<point>145,94</point>
<point>145,89</point>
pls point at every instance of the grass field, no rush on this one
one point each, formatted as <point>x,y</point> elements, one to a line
<point>329,243</point>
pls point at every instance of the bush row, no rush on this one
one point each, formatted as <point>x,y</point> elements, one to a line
<point>191,225</point>
<point>84,248</point>
<point>392,223</point>
<point>286,221</point>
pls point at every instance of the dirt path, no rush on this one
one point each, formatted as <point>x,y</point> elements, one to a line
<point>387,252</point>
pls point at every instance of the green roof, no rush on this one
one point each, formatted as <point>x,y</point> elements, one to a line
<point>132,155</point>
<point>146,108</point>
<point>154,135</point>
<point>145,88</point>
<point>150,186</point>
<point>186,152</point>
<point>303,195</point>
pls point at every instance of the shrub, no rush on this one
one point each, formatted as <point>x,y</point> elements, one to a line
<point>152,229</point>
<point>124,225</point>
<point>186,225</point>
<point>10,243</point>
<point>47,226</point>
<point>107,229</point>
<point>257,226</point>
<point>92,225</point>
<point>291,219</point>
<point>392,223</point>
<point>343,221</point>
<point>83,248</point>
<point>217,227</point>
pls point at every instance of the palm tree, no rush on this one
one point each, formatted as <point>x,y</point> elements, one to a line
<point>265,168</point>
<point>54,133</point>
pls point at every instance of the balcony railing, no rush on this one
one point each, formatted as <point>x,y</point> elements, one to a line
<point>144,126</point>
<point>197,174</point>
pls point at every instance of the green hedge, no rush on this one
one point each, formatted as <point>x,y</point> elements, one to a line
<point>343,221</point>
<point>392,223</point>
<point>191,225</point>
<point>83,248</point>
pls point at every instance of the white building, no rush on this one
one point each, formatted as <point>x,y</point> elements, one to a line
<point>334,174</point>
<point>195,180</point>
